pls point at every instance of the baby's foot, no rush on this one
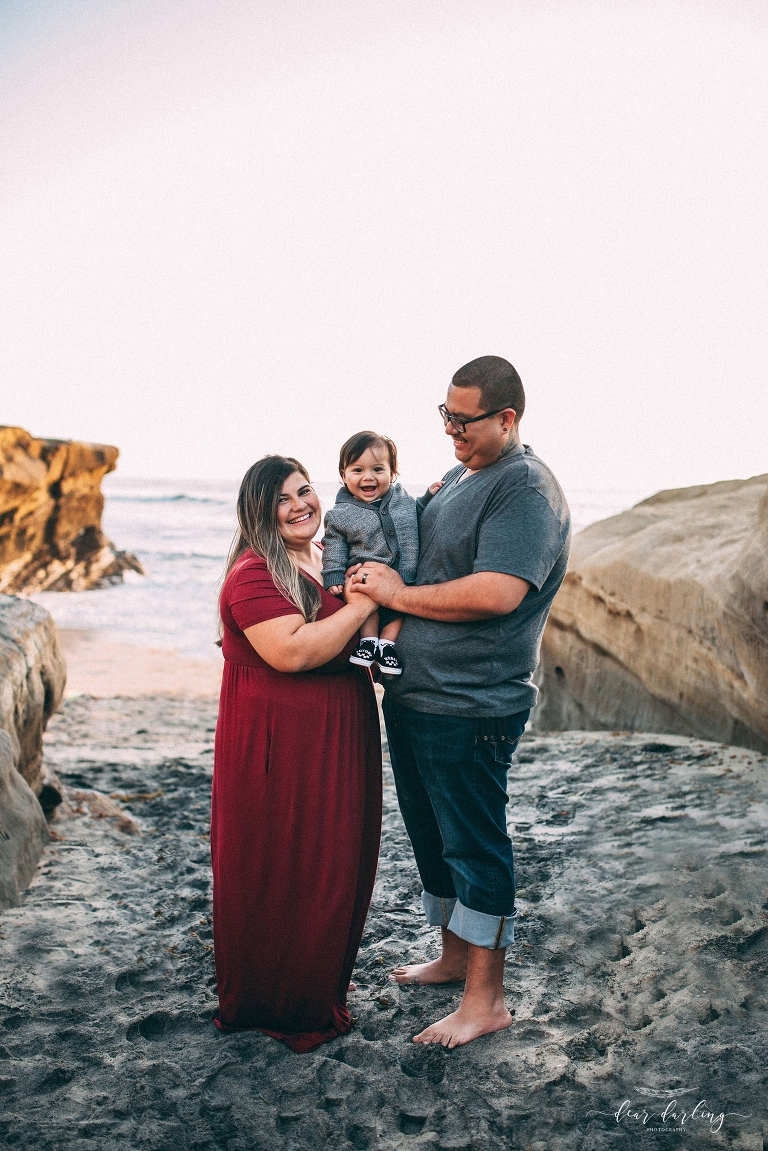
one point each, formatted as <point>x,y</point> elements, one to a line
<point>364,654</point>
<point>387,658</point>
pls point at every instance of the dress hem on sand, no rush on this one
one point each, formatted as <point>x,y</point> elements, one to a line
<point>301,1041</point>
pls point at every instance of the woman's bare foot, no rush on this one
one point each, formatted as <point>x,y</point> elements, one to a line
<point>464,1025</point>
<point>438,971</point>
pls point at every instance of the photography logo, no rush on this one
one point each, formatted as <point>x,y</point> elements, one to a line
<point>682,1110</point>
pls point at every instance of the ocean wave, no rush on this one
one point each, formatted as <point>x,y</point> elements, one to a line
<point>177,499</point>
<point>145,554</point>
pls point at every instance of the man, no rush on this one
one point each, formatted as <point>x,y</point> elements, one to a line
<point>494,549</point>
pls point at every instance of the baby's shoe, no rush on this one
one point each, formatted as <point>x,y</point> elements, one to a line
<point>387,658</point>
<point>365,653</point>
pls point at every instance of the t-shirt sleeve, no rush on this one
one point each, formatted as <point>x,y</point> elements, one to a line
<point>253,598</point>
<point>519,535</point>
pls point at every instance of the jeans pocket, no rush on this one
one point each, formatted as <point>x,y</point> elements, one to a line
<point>503,734</point>
<point>503,750</point>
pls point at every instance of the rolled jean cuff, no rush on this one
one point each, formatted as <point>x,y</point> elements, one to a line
<point>490,931</point>
<point>438,908</point>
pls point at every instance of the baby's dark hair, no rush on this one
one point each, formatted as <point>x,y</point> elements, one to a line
<point>352,450</point>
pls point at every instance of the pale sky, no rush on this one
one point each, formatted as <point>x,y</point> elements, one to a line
<point>231,227</point>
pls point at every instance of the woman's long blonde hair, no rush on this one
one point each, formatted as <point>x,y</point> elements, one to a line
<point>258,530</point>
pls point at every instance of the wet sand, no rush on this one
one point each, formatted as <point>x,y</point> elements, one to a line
<point>638,973</point>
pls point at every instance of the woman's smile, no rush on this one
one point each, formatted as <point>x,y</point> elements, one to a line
<point>300,519</point>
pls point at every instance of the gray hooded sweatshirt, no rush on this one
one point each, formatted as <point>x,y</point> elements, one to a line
<point>387,532</point>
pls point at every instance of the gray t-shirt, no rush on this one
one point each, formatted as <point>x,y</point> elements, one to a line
<point>510,517</point>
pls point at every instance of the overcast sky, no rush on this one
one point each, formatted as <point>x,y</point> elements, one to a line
<point>232,227</point>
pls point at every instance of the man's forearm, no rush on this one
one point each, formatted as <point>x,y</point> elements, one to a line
<point>483,595</point>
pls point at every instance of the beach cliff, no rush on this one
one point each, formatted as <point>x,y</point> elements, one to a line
<point>50,516</point>
<point>662,621</point>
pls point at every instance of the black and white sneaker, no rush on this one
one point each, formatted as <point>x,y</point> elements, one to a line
<point>387,659</point>
<point>365,653</point>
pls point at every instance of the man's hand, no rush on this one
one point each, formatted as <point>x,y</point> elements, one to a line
<point>482,595</point>
<point>378,581</point>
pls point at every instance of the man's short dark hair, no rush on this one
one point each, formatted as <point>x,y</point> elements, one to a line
<point>499,384</point>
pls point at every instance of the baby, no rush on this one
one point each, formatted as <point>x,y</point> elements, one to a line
<point>374,518</point>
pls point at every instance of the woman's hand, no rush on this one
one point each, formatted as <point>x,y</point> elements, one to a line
<point>289,644</point>
<point>356,593</point>
<point>378,581</point>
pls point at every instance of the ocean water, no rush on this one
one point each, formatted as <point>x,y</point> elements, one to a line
<point>181,531</point>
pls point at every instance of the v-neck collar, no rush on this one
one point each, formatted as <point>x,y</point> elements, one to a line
<point>516,449</point>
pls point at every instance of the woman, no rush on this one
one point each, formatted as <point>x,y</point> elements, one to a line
<point>296,808</point>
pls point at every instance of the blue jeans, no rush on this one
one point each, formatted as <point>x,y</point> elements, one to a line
<point>451,779</point>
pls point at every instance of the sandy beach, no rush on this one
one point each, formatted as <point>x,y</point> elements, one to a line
<point>637,977</point>
<point>100,667</point>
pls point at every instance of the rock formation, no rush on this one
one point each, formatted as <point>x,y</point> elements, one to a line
<point>23,830</point>
<point>32,678</point>
<point>50,516</point>
<point>662,621</point>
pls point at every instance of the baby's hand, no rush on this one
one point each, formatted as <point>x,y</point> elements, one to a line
<point>336,590</point>
<point>435,487</point>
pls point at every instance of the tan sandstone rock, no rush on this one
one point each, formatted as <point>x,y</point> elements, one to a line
<point>23,830</point>
<point>32,678</point>
<point>662,621</point>
<point>50,515</point>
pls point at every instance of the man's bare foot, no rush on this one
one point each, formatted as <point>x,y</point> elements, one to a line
<point>438,971</point>
<point>464,1025</point>
<point>451,967</point>
<point>482,1009</point>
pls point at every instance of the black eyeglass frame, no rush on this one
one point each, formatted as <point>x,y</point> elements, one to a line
<point>461,425</point>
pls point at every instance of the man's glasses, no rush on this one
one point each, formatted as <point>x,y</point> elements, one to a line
<point>461,425</point>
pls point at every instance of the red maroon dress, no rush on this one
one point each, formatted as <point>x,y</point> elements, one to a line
<point>295,826</point>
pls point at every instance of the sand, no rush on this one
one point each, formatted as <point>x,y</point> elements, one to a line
<point>99,667</point>
<point>637,978</point>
